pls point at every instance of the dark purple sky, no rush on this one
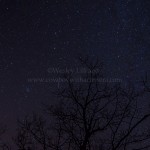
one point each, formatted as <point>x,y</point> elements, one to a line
<point>37,35</point>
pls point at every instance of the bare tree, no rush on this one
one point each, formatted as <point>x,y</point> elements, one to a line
<point>23,140</point>
<point>32,134</point>
<point>93,114</point>
<point>96,110</point>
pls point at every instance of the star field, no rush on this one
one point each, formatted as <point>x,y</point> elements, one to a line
<point>37,35</point>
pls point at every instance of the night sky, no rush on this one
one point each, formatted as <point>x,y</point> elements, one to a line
<point>37,35</point>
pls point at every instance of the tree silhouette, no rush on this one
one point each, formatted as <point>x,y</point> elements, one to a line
<point>23,140</point>
<point>93,115</point>
<point>32,134</point>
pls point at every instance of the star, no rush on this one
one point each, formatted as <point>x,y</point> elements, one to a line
<point>51,33</point>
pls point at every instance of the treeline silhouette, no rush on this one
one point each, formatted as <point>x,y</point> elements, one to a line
<point>88,116</point>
